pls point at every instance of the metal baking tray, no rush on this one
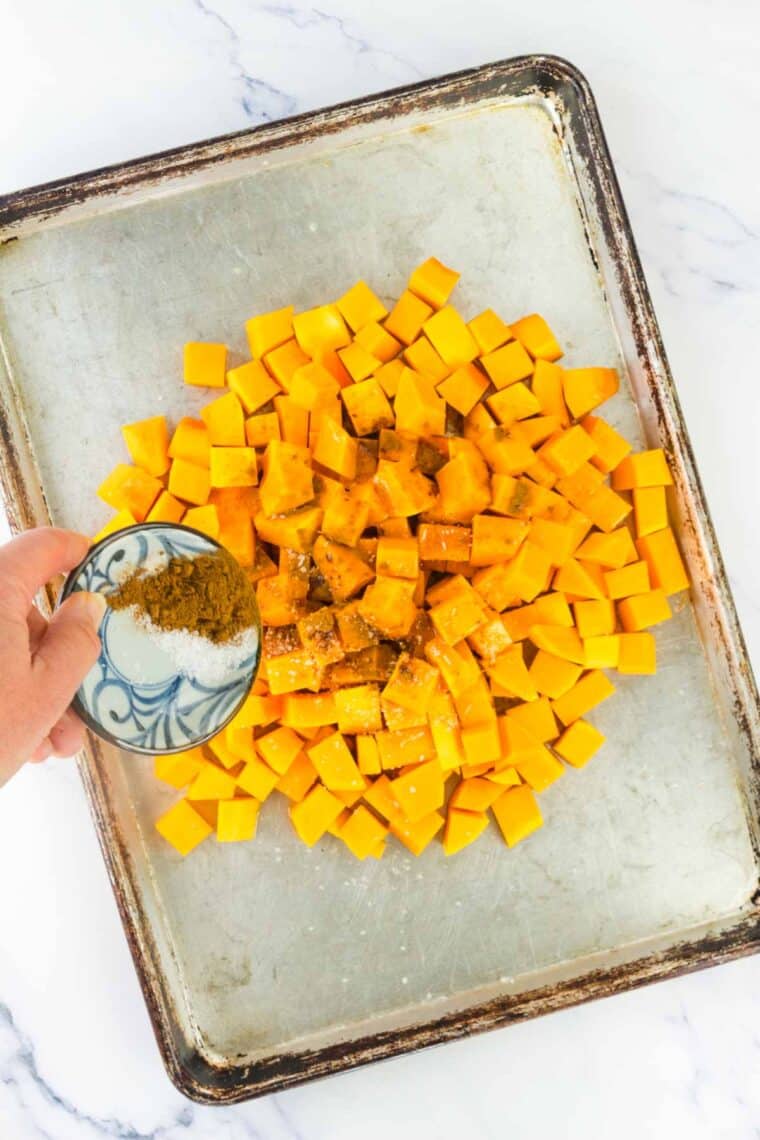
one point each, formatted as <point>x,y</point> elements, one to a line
<point>267,964</point>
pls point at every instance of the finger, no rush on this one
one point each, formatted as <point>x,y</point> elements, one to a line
<point>67,651</point>
<point>41,752</point>
<point>33,558</point>
<point>37,626</point>
<point>67,736</point>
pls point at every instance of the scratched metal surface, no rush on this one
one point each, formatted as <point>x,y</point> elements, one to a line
<point>269,948</point>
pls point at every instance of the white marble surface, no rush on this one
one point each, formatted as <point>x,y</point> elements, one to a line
<point>95,81</point>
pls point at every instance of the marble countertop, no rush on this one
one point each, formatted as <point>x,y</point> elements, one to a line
<point>87,83</point>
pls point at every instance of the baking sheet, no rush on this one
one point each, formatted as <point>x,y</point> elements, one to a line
<point>268,962</point>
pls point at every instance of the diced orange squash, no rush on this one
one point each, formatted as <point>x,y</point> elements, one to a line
<point>299,778</point>
<point>183,827</point>
<point>593,688</point>
<point>205,519</point>
<point>536,717</point>
<point>403,491</point>
<point>387,606</point>
<point>587,388</point>
<point>508,364</point>
<point>117,522</point>
<point>420,791</point>
<point>345,516</point>
<point>308,710</point>
<point>259,429</point>
<point>313,387</point>
<point>398,557</point>
<point>166,509</point>
<point>550,610</point>
<point>457,617</point>
<point>517,813</point>
<point>525,576</point>
<point>638,653</point>
<point>180,768</point>
<point>434,282</point>
<point>287,482</point>
<point>354,632</point>
<point>233,467</point>
<point>418,407</point>
<point>439,542</point>
<point>628,580</point>
<point>595,617</point>
<point>225,421</point>
<point>292,671</point>
<point>284,361</point>
<point>515,497</point>
<point>362,832</point>
<point>314,814</point>
<point>130,488</point>
<point>611,447</point>
<point>495,539</point>
<point>336,766</point>
<point>342,568</point>
<point>661,554</point>
<point>252,385</point>
<point>268,331</point>
<point>644,469</point>
<point>451,337</point>
<point>568,451</point>
<point>368,407</point>
<point>189,482</point>
<point>407,317</point>
<point>458,673</point>
<point>190,442</point>
<point>463,487</point>
<point>412,683</point>
<point>649,510</point>
<point>358,709</point>
<point>378,342</point>
<point>579,743</point>
<point>579,487</point>
<point>367,755</point>
<point>578,579</point>
<point>509,671</point>
<point>240,742</point>
<point>236,820</point>
<point>408,746</point>
<point>534,334</point>
<point>548,388</point>
<point>559,540</point>
<point>475,705</point>
<point>336,450</point>
<point>606,508</point>
<point>360,306</point>
<point>539,769</point>
<point>388,376</point>
<point>318,633</point>
<point>212,782</point>
<point>481,742</point>
<point>279,748</point>
<point>516,402</point>
<point>559,641</point>
<point>537,428</point>
<point>320,329</point>
<point>205,364</point>
<point>553,676</point>
<point>423,358</point>
<point>490,331</point>
<point>417,836</point>
<point>462,829</point>
<point>475,795</point>
<point>148,444</point>
<point>602,651</point>
<point>643,611</point>
<point>611,550</point>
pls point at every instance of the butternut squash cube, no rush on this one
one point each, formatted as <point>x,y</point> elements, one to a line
<point>293,671</point>
<point>459,674</point>
<point>611,550</point>
<point>606,509</point>
<point>495,539</point>
<point>148,444</point>
<point>434,282</point>
<point>644,469</point>
<point>362,832</point>
<point>517,814</point>
<point>336,450</point>
<point>387,606</point>
<point>403,490</point>
<point>284,361</point>
<point>166,509</point>
<point>602,651</point>
<point>252,385</point>
<point>481,742</point>
<point>360,306</point>
<point>336,766</point>
<point>464,489</point>
<point>590,691</point>
<point>279,748</point>
<point>180,768</point>
<point>595,617</point>
<point>418,407</point>
<point>537,718</point>
<point>205,364</point>
<point>579,743</point>
<point>536,429</point>
<point>661,554</point>
<point>419,791</point>
<point>342,568</point>
<point>398,557</point>
<point>534,334</point>
<point>508,671</point>
<point>287,481</point>
<point>553,676</point>
<point>295,531</point>
<point>611,447</point>
<point>260,429</point>
<point>463,388</point>
<point>321,329</point>
<point>314,814</point>
<point>399,748</point>
<point>407,317</point>
<point>268,331</point>
<point>587,388</point>
<point>490,331</point>
<point>516,402</point>
<point>233,467</point>
<point>462,829</point>
<point>299,778</point>
<point>188,482</point>
<point>458,617</point>
<point>643,611</point>
<point>190,442</point>
<point>411,684</point>
<point>475,795</point>
<point>388,376</point>
<point>236,820</point>
<point>559,641</point>
<point>417,836</point>
<point>567,452</point>
<point>183,827</point>
<point>309,710</point>
<point>367,755</point>
<point>558,540</point>
<point>312,387</point>
<point>539,769</point>
<point>117,522</point>
<point>548,388</point>
<point>212,782</point>
<point>358,709</point>
<point>225,421</point>
<point>451,337</point>
<point>638,653</point>
<point>508,364</point>
<point>378,342</point>
<point>649,510</point>
<point>628,580</point>
<point>131,489</point>
<point>423,358</point>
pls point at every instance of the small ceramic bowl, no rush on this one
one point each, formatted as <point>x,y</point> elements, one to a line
<point>134,696</point>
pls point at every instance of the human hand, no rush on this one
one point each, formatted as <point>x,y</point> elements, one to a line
<point>42,663</point>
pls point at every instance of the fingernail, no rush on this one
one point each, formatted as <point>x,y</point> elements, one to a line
<point>91,606</point>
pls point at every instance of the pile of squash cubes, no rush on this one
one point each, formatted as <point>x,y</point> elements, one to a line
<point>449,548</point>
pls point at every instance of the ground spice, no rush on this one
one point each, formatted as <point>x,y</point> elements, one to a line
<point>209,595</point>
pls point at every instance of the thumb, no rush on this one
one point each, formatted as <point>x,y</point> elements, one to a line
<point>68,649</point>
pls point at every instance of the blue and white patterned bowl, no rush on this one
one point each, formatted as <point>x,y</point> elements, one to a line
<point>134,696</point>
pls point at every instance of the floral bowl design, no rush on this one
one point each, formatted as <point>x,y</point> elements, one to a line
<point>134,696</point>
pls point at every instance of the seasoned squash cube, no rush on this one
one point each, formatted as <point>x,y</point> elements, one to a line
<point>451,337</point>
<point>418,407</point>
<point>287,481</point>
<point>463,388</point>
<point>388,376</point>
<point>360,306</point>
<point>284,361</point>
<point>611,550</point>
<point>517,813</point>
<point>462,828</point>
<point>397,557</point>
<point>252,385</point>
<point>314,814</point>
<point>378,342</point>
<point>279,748</point>
<point>548,388</point>
<point>534,334</point>
<point>419,791</point>
<point>433,281</point>
<point>336,450</point>
<point>342,568</point>
<point>336,766</point>
<point>166,509</point>
<point>495,539</point>
<point>260,429</point>
<point>205,364</point>
<point>268,331</point>
<point>513,403</point>
<point>567,452</point>
<point>387,606</point>
<point>403,490</point>
<point>131,489</point>
<point>367,755</point>
<point>412,684</point>
<point>233,467</point>
<point>358,709</point>
<point>183,827</point>
<point>188,482</point>
<point>423,358</point>
<point>292,671</point>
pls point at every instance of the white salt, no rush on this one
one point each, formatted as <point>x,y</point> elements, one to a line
<point>192,655</point>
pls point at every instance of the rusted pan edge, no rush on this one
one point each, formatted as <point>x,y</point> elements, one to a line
<point>191,1072</point>
<point>42,202</point>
